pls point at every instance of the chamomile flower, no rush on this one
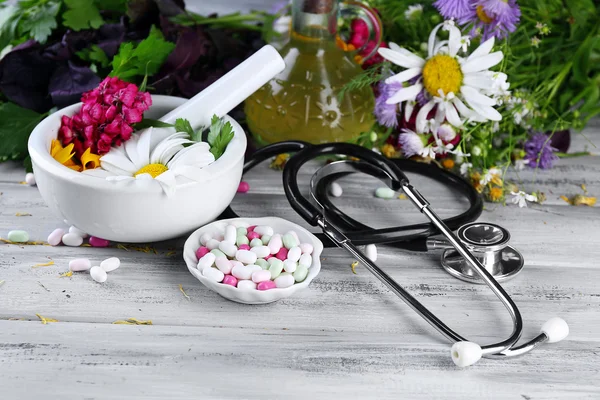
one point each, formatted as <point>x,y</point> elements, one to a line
<point>521,198</point>
<point>465,167</point>
<point>454,86</point>
<point>155,156</point>
<point>413,11</point>
<point>490,175</point>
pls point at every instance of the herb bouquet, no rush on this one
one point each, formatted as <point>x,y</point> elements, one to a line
<point>479,86</point>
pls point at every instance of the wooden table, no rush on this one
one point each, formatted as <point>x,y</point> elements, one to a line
<point>346,336</point>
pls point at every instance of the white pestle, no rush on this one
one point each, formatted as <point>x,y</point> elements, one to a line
<point>230,90</point>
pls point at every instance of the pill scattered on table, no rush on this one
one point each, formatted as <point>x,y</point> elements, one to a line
<point>243,187</point>
<point>55,238</point>
<point>72,239</point>
<point>97,242</point>
<point>254,257</point>
<point>110,264</point>
<point>30,179</point>
<point>98,274</point>
<point>385,193</point>
<point>80,264</point>
<point>371,252</point>
<point>78,232</point>
<point>18,236</point>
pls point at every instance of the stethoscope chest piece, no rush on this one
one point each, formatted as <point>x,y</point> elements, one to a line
<point>489,244</point>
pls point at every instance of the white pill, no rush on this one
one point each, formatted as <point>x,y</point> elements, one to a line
<point>207,260</point>
<point>294,254</point>
<point>335,189</point>
<point>55,238</point>
<point>264,230</point>
<point>290,266</point>
<point>294,234</point>
<point>245,256</point>
<point>98,274</point>
<point>205,238</point>
<point>306,260</point>
<point>261,251</point>
<point>224,265</point>
<point>255,268</point>
<point>371,252</point>
<point>243,272</point>
<point>261,276</point>
<point>228,248</point>
<point>234,263</point>
<point>230,234</point>
<point>275,244</point>
<point>110,264</point>
<point>80,264</point>
<point>218,236</point>
<point>30,179</point>
<point>212,244</point>
<point>284,280</point>
<point>306,248</point>
<point>71,239</point>
<point>213,274</point>
<point>78,232</point>
<point>246,285</point>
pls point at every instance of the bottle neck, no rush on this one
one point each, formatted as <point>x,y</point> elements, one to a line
<point>315,19</point>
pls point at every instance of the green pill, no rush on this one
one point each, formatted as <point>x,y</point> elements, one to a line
<point>218,253</point>
<point>385,193</point>
<point>289,241</point>
<point>300,273</point>
<point>276,268</point>
<point>261,262</point>
<point>241,231</point>
<point>241,239</point>
<point>18,236</point>
<point>256,242</point>
<point>265,239</point>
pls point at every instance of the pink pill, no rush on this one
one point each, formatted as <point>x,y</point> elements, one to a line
<point>253,235</point>
<point>201,252</point>
<point>269,256</point>
<point>230,280</point>
<point>243,187</point>
<point>282,254</point>
<point>251,228</point>
<point>266,285</point>
<point>97,242</point>
<point>244,247</point>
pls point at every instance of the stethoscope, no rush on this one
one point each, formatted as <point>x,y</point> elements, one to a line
<point>478,252</point>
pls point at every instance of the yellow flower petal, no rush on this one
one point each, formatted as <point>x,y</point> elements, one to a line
<point>90,160</point>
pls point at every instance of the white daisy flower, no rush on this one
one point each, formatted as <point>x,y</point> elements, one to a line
<point>521,198</point>
<point>489,175</point>
<point>465,167</point>
<point>155,156</point>
<point>520,164</point>
<point>453,85</point>
<point>413,11</point>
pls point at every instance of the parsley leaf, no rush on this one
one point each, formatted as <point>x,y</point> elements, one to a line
<point>16,123</point>
<point>145,58</point>
<point>35,19</point>
<point>94,54</point>
<point>223,136</point>
<point>82,14</point>
<point>183,125</point>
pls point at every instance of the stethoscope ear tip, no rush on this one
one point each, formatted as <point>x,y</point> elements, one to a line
<point>556,329</point>
<point>465,353</point>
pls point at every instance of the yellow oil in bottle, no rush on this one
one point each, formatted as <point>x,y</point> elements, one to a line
<point>303,103</point>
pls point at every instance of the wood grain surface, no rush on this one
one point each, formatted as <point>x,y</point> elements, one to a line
<point>346,336</point>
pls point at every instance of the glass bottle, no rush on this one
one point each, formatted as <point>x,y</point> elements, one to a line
<point>303,102</point>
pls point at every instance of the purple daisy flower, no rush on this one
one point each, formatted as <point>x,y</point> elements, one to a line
<point>387,114</point>
<point>539,152</point>
<point>453,9</point>
<point>489,18</point>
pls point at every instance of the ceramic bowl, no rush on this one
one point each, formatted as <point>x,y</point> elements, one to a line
<point>133,213</point>
<point>253,296</point>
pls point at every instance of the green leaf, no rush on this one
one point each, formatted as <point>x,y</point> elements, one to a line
<point>216,124</point>
<point>82,14</point>
<point>154,123</point>
<point>223,136</point>
<point>146,58</point>
<point>117,6</point>
<point>16,123</point>
<point>94,54</point>
<point>37,20</point>
<point>183,125</point>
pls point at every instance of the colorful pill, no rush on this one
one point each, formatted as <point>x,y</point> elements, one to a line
<point>300,273</point>
<point>18,236</point>
<point>55,238</point>
<point>224,265</point>
<point>266,285</point>
<point>243,187</point>
<point>275,243</point>
<point>97,242</point>
<point>201,252</point>
<point>282,254</point>
<point>253,235</point>
<point>261,276</point>
<point>289,240</point>
<point>80,264</point>
<point>284,280</point>
<point>230,280</point>
<point>244,247</point>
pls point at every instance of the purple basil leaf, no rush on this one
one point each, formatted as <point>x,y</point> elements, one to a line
<point>69,82</point>
<point>561,140</point>
<point>24,77</point>
<point>110,37</point>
